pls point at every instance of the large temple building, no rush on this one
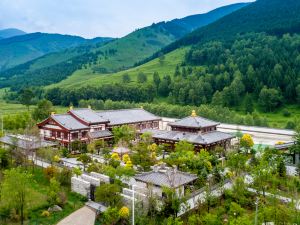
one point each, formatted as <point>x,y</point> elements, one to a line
<point>200,132</point>
<point>86,124</point>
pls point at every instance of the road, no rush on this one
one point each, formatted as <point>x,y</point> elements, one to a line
<point>83,216</point>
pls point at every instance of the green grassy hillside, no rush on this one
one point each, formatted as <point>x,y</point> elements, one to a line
<point>20,49</point>
<point>87,77</point>
<point>115,56</point>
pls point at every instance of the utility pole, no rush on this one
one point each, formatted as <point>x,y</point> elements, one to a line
<point>256,210</point>
<point>133,204</point>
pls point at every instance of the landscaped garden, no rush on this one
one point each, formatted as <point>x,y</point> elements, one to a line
<point>259,188</point>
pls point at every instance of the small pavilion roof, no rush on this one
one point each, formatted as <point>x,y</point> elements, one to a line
<point>88,115</point>
<point>127,116</point>
<point>68,121</point>
<point>168,178</point>
<point>195,138</point>
<point>121,150</point>
<point>100,134</point>
<point>194,121</point>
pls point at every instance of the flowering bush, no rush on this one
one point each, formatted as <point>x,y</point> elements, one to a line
<point>247,141</point>
<point>124,212</point>
<point>115,156</point>
<point>126,158</point>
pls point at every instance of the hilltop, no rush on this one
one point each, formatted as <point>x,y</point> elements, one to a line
<point>10,32</point>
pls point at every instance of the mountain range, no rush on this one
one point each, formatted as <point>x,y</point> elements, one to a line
<point>116,55</point>
<point>10,32</point>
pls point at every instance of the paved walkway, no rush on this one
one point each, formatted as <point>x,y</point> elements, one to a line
<point>83,216</point>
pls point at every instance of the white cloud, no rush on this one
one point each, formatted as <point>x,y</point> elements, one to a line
<point>91,18</point>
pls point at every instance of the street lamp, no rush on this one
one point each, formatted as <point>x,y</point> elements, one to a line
<point>133,204</point>
<point>256,210</point>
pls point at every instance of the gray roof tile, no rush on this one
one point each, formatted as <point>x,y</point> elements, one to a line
<point>166,179</point>
<point>100,134</point>
<point>195,138</point>
<point>127,116</point>
<point>68,121</point>
<point>194,122</point>
<point>88,116</point>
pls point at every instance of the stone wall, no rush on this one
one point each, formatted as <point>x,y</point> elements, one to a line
<point>103,178</point>
<point>80,186</point>
<point>92,180</point>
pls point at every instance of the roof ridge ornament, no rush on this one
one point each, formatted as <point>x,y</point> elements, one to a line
<point>194,114</point>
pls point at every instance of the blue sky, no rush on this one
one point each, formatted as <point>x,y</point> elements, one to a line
<point>91,18</point>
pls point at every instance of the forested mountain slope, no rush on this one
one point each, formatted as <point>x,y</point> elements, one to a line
<point>114,56</point>
<point>272,16</point>
<point>248,70</point>
<point>20,49</point>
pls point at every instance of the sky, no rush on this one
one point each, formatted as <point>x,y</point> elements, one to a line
<point>97,18</point>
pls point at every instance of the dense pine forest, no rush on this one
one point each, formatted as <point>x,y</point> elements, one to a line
<point>254,66</point>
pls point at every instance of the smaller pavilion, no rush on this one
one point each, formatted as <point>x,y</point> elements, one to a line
<point>199,131</point>
<point>162,176</point>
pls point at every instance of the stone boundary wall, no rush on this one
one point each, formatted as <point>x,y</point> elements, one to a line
<point>92,180</point>
<point>101,177</point>
<point>80,186</point>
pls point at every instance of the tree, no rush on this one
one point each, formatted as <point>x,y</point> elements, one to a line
<point>298,93</point>
<point>249,106</point>
<point>270,98</point>
<point>108,194</point>
<point>246,141</point>
<point>126,78</point>
<point>110,216</point>
<point>156,79</point>
<point>85,159</point>
<point>77,171</point>
<point>53,193</point>
<point>141,77</point>
<point>43,110</point>
<point>4,160</point>
<point>26,97</point>
<point>16,191</point>
<point>124,133</point>
<point>237,162</point>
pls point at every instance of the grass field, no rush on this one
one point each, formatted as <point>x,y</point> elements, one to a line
<point>87,77</point>
<point>39,190</point>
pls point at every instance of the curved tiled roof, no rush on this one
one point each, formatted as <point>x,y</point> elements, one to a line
<point>195,138</point>
<point>89,116</point>
<point>166,179</point>
<point>194,122</point>
<point>127,116</point>
<point>69,122</point>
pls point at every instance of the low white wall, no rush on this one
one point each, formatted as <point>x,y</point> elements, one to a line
<point>92,180</point>
<point>80,186</point>
<point>101,177</point>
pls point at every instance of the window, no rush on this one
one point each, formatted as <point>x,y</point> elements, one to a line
<point>65,135</point>
<point>75,136</point>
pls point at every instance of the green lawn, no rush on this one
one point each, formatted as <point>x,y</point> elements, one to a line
<point>39,204</point>
<point>277,119</point>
